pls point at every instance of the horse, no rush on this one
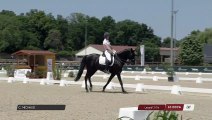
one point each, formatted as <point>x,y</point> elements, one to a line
<point>91,62</point>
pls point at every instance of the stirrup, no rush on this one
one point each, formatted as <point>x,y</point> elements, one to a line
<point>106,71</point>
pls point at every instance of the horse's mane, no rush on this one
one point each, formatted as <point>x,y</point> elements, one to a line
<point>128,49</point>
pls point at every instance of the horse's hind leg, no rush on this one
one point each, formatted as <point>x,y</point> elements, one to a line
<point>111,77</point>
<point>91,86</point>
<point>90,73</point>
<point>88,77</point>
<point>86,86</point>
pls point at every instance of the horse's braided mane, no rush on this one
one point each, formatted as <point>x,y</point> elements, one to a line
<point>128,49</point>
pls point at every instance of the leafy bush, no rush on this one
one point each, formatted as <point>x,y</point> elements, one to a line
<point>169,70</point>
<point>148,68</point>
<point>40,73</point>
<point>64,55</point>
<point>71,74</point>
<point>28,74</point>
<point>36,74</point>
<point>10,70</point>
<point>57,73</point>
<point>166,115</point>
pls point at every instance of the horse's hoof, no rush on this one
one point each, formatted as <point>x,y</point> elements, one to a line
<point>125,92</point>
<point>103,90</point>
<point>90,89</point>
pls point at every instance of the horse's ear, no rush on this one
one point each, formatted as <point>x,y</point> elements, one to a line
<point>133,50</point>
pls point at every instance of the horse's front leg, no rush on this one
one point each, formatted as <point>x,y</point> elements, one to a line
<point>121,83</point>
<point>110,78</point>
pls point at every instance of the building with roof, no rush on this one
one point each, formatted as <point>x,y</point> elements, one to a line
<point>207,54</point>
<point>165,54</point>
<point>36,60</point>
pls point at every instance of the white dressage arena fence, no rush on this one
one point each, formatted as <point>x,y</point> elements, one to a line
<point>21,73</point>
<point>157,78</point>
<point>140,87</point>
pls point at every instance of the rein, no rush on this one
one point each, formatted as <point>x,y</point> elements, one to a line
<point>120,60</point>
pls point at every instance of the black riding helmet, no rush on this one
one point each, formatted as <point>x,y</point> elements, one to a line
<point>106,34</point>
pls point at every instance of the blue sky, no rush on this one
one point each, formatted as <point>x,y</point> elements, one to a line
<point>191,15</point>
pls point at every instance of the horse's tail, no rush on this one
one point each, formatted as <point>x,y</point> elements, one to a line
<point>82,66</point>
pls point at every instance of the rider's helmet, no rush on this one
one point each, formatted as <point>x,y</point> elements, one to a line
<point>106,34</point>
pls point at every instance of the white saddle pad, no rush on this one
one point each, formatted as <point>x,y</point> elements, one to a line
<point>102,60</point>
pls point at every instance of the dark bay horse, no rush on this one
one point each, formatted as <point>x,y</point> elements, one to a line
<point>91,62</point>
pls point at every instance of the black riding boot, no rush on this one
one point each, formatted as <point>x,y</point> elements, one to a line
<point>107,67</point>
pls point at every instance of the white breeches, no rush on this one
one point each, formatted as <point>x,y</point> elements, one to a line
<point>108,56</point>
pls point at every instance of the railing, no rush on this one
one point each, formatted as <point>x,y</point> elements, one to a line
<point>6,61</point>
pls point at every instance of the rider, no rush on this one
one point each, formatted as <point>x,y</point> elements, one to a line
<point>109,51</point>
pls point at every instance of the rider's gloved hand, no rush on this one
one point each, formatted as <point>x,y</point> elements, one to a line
<point>114,51</point>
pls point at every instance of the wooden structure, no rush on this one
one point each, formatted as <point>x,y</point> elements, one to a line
<point>36,60</point>
<point>165,54</point>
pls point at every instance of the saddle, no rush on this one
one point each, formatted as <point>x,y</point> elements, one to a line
<point>103,60</point>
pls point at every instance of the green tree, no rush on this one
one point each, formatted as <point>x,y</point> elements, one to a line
<point>205,37</point>
<point>151,52</point>
<point>108,23</point>
<point>40,24</point>
<point>77,30</point>
<point>126,33</point>
<point>7,13</point>
<point>10,35</point>
<point>29,38</point>
<point>191,50</point>
<point>129,32</point>
<point>38,30</point>
<point>63,27</point>
<point>94,31</point>
<point>11,38</point>
<point>166,43</point>
<point>53,40</point>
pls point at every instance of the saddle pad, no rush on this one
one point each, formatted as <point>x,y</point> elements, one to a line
<point>102,60</point>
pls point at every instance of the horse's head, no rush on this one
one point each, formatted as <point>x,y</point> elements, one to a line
<point>132,56</point>
<point>127,55</point>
